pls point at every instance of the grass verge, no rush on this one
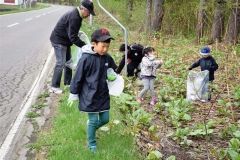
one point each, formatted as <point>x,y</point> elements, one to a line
<point>8,9</point>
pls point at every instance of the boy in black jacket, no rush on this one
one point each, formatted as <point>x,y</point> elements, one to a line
<point>207,62</point>
<point>63,36</point>
<point>89,83</point>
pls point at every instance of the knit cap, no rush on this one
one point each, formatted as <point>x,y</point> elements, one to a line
<point>205,51</point>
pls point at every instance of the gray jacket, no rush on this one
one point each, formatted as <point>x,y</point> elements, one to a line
<point>149,66</point>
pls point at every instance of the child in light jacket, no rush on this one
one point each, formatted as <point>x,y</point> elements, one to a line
<point>149,66</point>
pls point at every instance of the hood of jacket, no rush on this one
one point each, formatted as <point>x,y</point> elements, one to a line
<point>88,48</point>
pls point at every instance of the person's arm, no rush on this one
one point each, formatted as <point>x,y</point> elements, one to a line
<point>194,65</point>
<point>146,62</point>
<point>112,63</point>
<point>76,82</point>
<point>214,65</point>
<point>121,65</point>
<point>73,29</point>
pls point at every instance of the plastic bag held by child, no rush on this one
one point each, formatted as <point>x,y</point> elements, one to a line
<point>111,75</point>
<point>115,83</point>
<point>197,85</point>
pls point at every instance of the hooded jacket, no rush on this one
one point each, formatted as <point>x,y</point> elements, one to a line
<point>89,81</point>
<point>66,30</point>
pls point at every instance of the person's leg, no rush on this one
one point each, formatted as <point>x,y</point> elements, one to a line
<point>92,126</point>
<point>103,119</point>
<point>145,89</point>
<point>151,87</point>
<point>60,53</point>
<point>67,70</point>
<point>153,94</point>
<point>210,90</point>
<point>130,69</point>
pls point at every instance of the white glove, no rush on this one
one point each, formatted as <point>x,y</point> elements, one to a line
<point>72,98</point>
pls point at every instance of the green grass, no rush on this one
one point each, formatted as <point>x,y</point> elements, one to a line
<point>67,138</point>
<point>8,9</point>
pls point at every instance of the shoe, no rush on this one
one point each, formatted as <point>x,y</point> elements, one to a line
<point>153,101</point>
<point>93,149</point>
<point>139,100</point>
<point>55,90</point>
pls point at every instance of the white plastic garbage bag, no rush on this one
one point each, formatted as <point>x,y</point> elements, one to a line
<point>73,64</point>
<point>197,86</point>
<point>116,87</point>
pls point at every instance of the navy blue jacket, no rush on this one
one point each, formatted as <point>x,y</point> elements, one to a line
<point>67,28</point>
<point>89,82</point>
<point>207,63</point>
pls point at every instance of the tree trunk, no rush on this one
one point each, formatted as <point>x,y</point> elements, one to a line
<point>202,16</point>
<point>233,24</point>
<point>148,16</point>
<point>130,8</point>
<point>218,22</point>
<point>158,13</point>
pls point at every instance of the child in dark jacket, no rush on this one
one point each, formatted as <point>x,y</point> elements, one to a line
<point>207,62</point>
<point>89,83</point>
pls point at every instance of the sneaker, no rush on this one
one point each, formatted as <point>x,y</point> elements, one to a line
<point>93,149</point>
<point>153,101</point>
<point>139,100</point>
<point>55,90</point>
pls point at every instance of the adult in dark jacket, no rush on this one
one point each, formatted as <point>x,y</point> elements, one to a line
<point>89,83</point>
<point>63,36</point>
<point>134,58</point>
<point>207,62</point>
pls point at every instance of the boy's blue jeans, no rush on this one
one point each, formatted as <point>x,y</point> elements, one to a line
<point>96,120</point>
<point>63,54</point>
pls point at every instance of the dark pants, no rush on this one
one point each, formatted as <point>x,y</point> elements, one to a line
<point>63,54</point>
<point>131,68</point>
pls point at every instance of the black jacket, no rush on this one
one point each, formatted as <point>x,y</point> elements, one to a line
<point>67,28</point>
<point>207,63</point>
<point>89,82</point>
<point>134,55</point>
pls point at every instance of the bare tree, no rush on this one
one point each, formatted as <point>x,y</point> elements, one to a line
<point>233,28</point>
<point>202,19</point>
<point>158,13</point>
<point>218,21</point>
<point>148,16</point>
<point>130,7</point>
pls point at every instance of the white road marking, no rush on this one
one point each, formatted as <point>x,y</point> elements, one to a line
<point>11,25</point>
<point>24,108</point>
<point>38,16</point>
<point>28,19</point>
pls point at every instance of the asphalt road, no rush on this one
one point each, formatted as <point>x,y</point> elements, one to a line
<point>24,47</point>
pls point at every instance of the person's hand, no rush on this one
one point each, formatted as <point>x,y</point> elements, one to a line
<point>71,99</point>
<point>159,61</point>
<point>129,61</point>
<point>111,75</point>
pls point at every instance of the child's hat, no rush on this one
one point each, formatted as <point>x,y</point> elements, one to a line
<point>205,51</point>
<point>101,35</point>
